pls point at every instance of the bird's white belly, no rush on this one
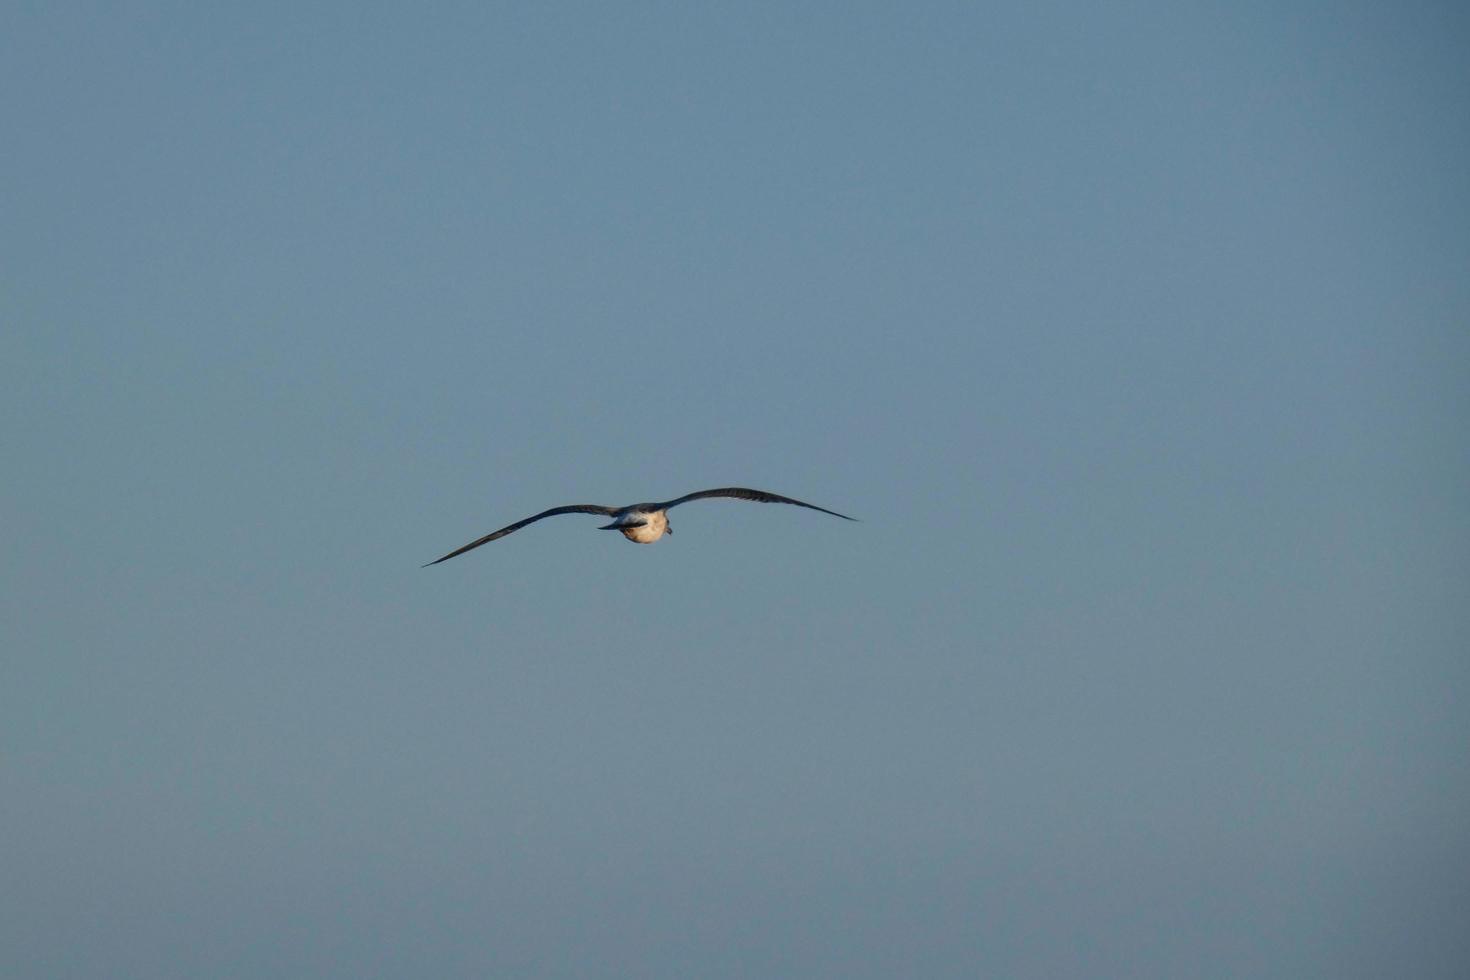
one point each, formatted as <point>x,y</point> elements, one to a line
<point>652,529</point>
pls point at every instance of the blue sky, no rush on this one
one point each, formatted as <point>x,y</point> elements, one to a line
<point>1136,335</point>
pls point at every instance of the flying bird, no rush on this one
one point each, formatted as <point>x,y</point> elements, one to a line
<point>640,523</point>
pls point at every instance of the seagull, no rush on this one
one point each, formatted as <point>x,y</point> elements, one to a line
<point>640,523</point>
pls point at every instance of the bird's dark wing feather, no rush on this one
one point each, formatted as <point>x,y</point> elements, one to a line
<point>569,509</point>
<point>744,493</point>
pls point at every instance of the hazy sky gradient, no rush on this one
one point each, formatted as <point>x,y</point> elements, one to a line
<point>1137,335</point>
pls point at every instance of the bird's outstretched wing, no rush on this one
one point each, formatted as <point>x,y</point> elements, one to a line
<point>745,493</point>
<point>568,509</point>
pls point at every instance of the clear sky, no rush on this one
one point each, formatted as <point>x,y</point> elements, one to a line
<point>1137,335</point>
